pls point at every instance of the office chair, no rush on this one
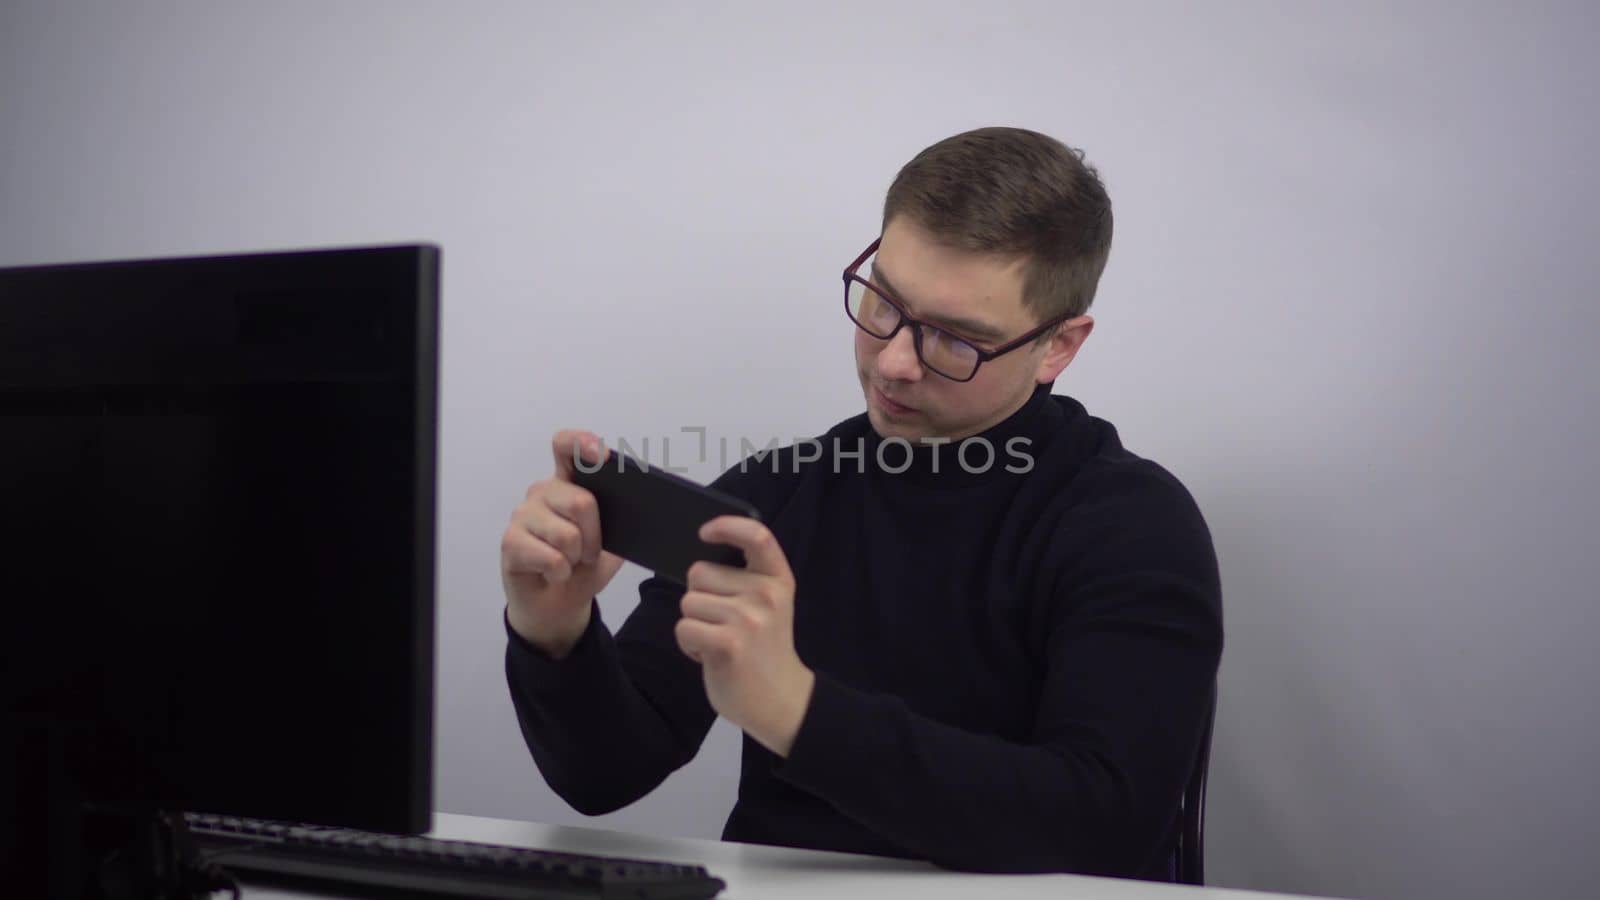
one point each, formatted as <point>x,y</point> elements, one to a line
<point>1192,811</point>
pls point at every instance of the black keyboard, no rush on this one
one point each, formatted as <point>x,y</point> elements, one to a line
<point>341,859</point>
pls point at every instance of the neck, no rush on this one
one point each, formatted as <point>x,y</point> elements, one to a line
<point>997,451</point>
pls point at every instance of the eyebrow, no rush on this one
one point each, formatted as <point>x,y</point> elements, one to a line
<point>974,328</point>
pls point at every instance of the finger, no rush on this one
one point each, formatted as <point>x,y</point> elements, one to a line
<point>716,578</point>
<point>567,446</point>
<point>536,517</point>
<point>523,553</point>
<point>700,641</point>
<point>713,609</point>
<point>761,550</point>
<point>578,506</point>
<point>558,533</point>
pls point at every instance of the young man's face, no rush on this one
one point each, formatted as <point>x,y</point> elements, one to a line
<point>945,286</point>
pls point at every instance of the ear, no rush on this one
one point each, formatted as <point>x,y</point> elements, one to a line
<point>1063,346</point>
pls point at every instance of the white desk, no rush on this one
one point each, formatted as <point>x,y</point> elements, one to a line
<point>753,871</point>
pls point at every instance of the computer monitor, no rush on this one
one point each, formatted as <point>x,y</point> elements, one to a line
<point>217,503</point>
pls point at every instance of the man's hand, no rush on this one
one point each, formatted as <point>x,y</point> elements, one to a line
<point>739,625</point>
<point>551,563</point>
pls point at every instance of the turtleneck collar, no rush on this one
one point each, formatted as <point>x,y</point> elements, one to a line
<point>1014,441</point>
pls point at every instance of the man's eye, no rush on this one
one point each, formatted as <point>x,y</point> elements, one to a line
<point>952,340</point>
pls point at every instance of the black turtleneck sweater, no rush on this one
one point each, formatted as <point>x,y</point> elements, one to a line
<point>1013,668</point>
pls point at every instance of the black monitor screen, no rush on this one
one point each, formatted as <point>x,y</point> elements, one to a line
<point>217,531</point>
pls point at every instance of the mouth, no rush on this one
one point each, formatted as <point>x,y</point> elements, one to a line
<point>889,404</point>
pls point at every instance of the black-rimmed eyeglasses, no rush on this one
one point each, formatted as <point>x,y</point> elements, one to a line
<point>879,314</point>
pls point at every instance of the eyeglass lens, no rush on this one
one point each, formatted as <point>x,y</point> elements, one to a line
<point>944,353</point>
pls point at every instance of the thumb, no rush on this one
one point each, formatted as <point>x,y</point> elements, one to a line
<point>608,564</point>
<point>568,444</point>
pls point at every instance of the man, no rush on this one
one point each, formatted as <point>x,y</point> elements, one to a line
<point>974,630</point>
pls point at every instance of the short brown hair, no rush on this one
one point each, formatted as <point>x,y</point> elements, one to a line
<point>1018,193</point>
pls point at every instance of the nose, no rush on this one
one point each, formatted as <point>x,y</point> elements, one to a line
<point>898,361</point>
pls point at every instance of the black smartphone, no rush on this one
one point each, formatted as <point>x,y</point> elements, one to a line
<point>652,517</point>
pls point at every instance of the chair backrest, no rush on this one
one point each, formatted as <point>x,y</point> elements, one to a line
<point>1191,854</point>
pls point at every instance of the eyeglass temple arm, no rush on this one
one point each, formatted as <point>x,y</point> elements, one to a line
<point>862,258</point>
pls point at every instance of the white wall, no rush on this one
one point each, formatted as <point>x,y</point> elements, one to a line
<point>1350,304</point>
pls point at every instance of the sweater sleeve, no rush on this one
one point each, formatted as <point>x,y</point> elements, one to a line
<point>613,718</point>
<point>1131,647</point>
<point>608,722</point>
